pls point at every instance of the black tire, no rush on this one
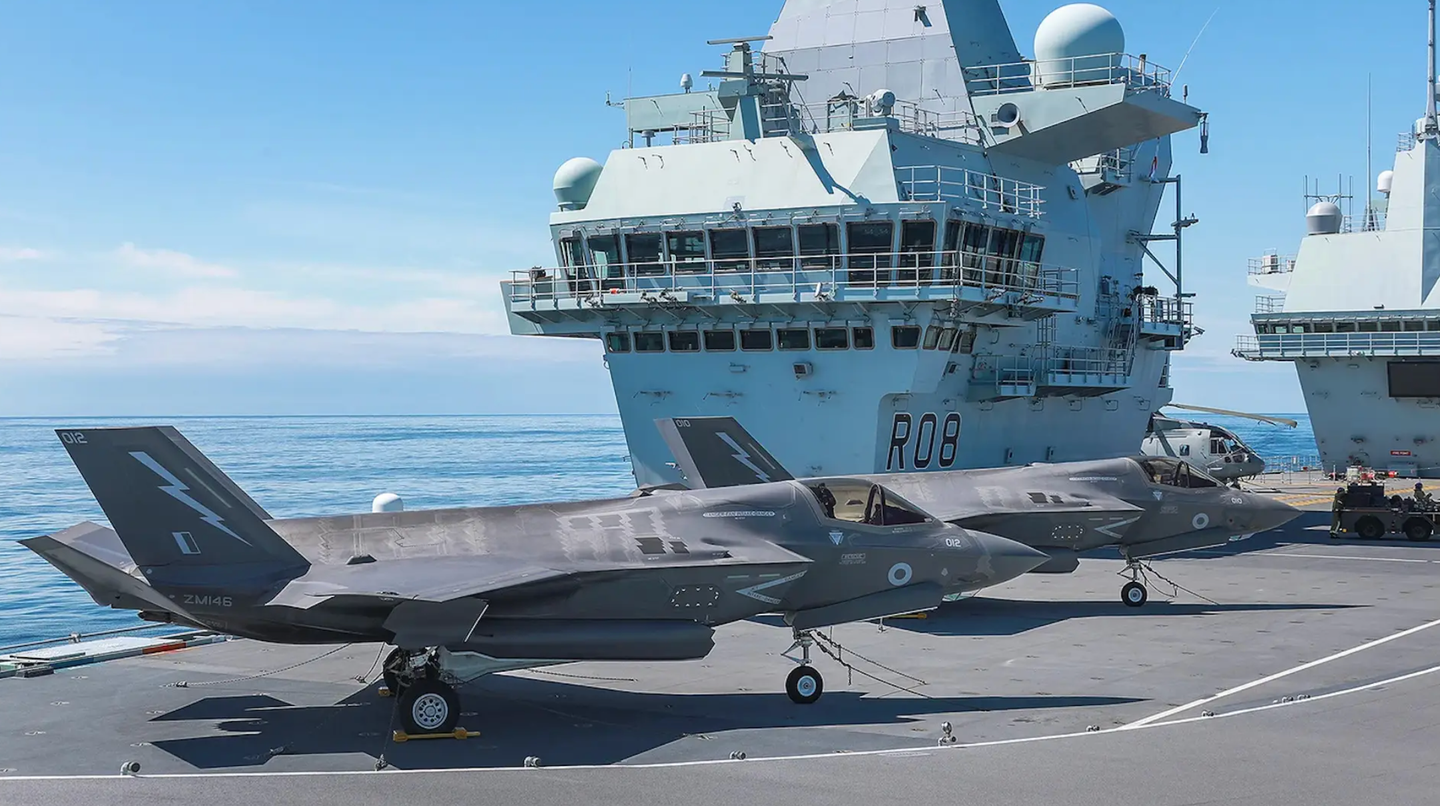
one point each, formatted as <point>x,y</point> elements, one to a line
<point>1370,528</point>
<point>429,706</point>
<point>1418,529</point>
<point>804,685</point>
<point>1134,594</point>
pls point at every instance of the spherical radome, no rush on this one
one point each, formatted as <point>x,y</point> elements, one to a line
<point>387,502</point>
<point>1079,29</point>
<point>1324,218</point>
<point>1385,181</point>
<point>575,181</point>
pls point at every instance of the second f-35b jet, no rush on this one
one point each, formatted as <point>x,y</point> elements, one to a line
<point>466,592</point>
<point>1146,507</point>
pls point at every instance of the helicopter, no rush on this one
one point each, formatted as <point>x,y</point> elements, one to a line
<point>1217,451</point>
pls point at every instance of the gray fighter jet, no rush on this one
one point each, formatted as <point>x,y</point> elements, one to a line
<point>466,592</point>
<point>1147,507</point>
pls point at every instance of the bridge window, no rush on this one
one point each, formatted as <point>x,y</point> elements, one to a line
<point>1324,327</point>
<point>863,337</point>
<point>684,341</point>
<point>643,250</point>
<point>755,340</point>
<point>1344,327</point>
<point>720,341</point>
<point>617,342</point>
<point>905,337</point>
<point>1368,327</point>
<point>949,257</point>
<point>932,337</point>
<point>1414,326</point>
<point>917,250</point>
<point>819,244</point>
<point>687,250</point>
<point>649,343</point>
<point>796,338</point>
<point>1389,327</point>
<point>947,339</point>
<point>964,341</point>
<point>870,245</point>
<point>774,248</point>
<point>605,255</point>
<point>730,248</point>
<point>831,338</point>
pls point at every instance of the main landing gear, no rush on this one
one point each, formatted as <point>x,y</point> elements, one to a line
<point>426,703</point>
<point>1134,594</point>
<point>804,685</point>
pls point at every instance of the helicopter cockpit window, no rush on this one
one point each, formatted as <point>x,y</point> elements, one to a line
<point>861,502</point>
<point>1175,473</point>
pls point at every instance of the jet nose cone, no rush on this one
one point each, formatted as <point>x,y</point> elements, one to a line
<point>1272,513</point>
<point>1005,559</point>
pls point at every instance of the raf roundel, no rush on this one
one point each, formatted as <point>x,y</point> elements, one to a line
<point>900,574</point>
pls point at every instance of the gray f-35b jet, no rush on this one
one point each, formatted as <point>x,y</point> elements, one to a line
<point>467,592</point>
<point>1147,507</point>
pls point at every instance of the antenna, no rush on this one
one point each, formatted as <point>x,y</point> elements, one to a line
<point>1431,127</point>
<point>1176,74</point>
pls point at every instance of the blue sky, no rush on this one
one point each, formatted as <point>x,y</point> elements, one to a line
<point>275,207</point>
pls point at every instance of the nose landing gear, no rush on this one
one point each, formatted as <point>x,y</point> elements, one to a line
<point>1134,594</point>
<point>804,685</point>
<point>425,703</point>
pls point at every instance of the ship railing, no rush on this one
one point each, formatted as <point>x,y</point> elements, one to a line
<point>784,117</point>
<point>1372,221</point>
<point>1405,142</point>
<point>1271,263</point>
<point>1269,304</point>
<point>1305,345</point>
<point>797,275</point>
<point>1166,311</point>
<point>947,183</point>
<point>1054,363</point>
<point>1136,72</point>
<point>1115,166</point>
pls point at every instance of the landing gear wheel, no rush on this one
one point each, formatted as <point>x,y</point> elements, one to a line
<point>804,685</point>
<point>429,706</point>
<point>1134,594</point>
<point>397,659</point>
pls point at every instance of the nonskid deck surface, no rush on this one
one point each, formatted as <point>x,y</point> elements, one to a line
<point>1043,656</point>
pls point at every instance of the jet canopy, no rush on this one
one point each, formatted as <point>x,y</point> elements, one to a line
<point>861,501</point>
<point>1177,473</point>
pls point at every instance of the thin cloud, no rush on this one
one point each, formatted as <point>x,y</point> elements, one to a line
<point>13,254</point>
<point>177,263</point>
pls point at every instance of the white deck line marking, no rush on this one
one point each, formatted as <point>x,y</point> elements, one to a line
<point>895,752</point>
<point>1271,678</point>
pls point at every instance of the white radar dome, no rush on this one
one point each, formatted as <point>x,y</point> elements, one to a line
<point>387,502</point>
<point>1323,219</point>
<point>575,181</point>
<point>1385,181</point>
<point>1075,31</point>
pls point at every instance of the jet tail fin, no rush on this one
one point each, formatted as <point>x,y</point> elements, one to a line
<point>717,452</point>
<point>180,518</point>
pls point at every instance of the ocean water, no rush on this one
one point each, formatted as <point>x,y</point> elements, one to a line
<point>304,466</point>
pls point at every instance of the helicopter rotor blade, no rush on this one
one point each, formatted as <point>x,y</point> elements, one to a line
<point>1259,417</point>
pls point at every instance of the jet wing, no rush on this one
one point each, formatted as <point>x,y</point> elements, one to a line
<point>421,579</point>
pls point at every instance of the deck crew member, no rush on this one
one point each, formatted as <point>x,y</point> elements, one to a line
<point>1423,500</point>
<point>1335,509</point>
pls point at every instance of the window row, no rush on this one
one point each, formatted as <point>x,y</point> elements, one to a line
<point>902,337</point>
<point>1369,326</point>
<point>869,245</point>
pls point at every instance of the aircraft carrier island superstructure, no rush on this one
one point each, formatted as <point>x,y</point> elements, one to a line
<point>883,240</point>
<point>1358,313</point>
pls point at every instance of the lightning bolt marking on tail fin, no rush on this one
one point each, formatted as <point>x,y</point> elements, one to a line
<point>743,457</point>
<point>176,489</point>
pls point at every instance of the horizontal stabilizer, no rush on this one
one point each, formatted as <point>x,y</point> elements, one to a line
<point>94,558</point>
<point>716,452</point>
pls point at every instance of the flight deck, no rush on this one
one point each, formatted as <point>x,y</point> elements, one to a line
<point>1306,629</point>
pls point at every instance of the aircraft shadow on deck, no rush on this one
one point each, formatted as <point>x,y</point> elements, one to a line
<point>1310,529</point>
<point>999,617</point>
<point>561,723</point>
